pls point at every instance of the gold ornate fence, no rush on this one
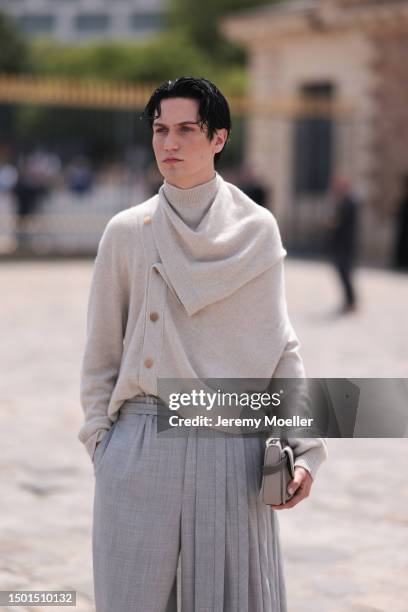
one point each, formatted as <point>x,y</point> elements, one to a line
<point>94,93</point>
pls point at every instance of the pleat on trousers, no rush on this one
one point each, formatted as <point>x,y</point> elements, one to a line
<point>186,505</point>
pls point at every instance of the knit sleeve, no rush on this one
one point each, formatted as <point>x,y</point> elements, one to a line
<point>309,453</point>
<point>106,322</point>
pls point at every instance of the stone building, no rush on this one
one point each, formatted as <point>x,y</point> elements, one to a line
<point>351,55</point>
<point>81,20</point>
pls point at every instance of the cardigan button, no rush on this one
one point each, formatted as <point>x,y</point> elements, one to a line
<point>154,316</point>
<point>147,220</point>
<point>148,362</point>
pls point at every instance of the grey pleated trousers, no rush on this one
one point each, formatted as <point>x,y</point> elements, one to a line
<point>188,501</point>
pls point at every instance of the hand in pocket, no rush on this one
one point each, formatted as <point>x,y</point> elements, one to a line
<point>101,447</point>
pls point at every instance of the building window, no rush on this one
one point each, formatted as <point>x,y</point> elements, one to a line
<point>146,21</point>
<point>92,22</point>
<point>37,24</point>
<point>313,137</point>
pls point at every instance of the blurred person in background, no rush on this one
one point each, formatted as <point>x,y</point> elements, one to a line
<point>37,174</point>
<point>8,177</point>
<point>28,191</point>
<point>187,285</point>
<point>252,185</point>
<point>343,238</point>
<point>79,176</point>
<point>401,230</point>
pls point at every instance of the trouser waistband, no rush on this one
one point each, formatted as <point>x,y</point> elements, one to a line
<point>144,404</point>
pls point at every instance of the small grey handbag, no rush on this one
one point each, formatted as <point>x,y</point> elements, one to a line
<point>278,470</point>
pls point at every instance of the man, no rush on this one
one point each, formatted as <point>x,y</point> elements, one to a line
<point>344,238</point>
<point>187,285</point>
<point>250,184</point>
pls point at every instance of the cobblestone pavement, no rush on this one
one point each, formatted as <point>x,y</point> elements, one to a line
<point>345,547</point>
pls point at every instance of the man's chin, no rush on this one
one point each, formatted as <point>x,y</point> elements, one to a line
<point>170,171</point>
<point>170,167</point>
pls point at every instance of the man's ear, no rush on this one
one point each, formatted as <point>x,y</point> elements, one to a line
<point>219,139</point>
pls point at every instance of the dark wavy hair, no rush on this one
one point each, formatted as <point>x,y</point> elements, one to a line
<point>213,111</point>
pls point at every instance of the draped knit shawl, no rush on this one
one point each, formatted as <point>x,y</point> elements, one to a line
<point>234,242</point>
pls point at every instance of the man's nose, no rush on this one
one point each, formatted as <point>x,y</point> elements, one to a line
<point>170,142</point>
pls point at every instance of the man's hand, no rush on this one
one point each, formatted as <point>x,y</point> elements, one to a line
<point>302,484</point>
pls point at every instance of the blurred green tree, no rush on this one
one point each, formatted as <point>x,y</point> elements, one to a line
<point>14,50</point>
<point>164,56</point>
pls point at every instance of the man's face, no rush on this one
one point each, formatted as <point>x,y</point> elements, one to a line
<point>184,155</point>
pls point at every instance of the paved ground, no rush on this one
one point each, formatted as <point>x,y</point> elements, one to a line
<point>345,548</point>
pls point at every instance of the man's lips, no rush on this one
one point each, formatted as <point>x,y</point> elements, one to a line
<point>171,159</point>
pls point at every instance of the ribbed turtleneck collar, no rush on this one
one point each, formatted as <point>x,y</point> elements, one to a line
<point>192,204</point>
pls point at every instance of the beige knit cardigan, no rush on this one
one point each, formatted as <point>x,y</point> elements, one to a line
<point>188,285</point>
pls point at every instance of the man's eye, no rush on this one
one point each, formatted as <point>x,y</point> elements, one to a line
<point>186,129</point>
<point>157,130</point>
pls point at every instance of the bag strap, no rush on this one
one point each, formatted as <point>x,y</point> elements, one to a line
<point>283,441</point>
